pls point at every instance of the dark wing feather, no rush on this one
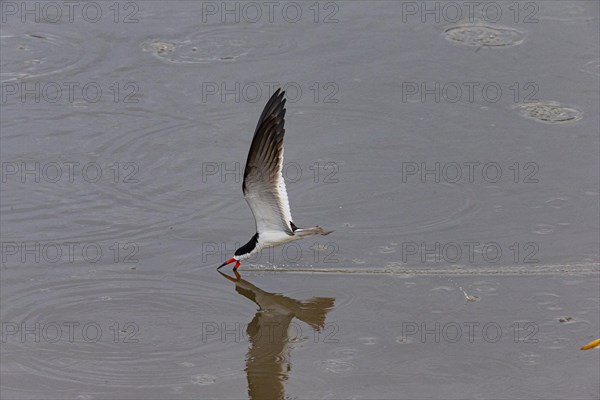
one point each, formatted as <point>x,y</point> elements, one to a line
<point>264,187</point>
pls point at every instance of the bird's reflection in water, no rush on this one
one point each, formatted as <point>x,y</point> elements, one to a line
<point>270,333</point>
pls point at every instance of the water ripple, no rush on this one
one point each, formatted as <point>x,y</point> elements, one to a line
<point>483,35</point>
<point>136,315</point>
<point>224,44</point>
<point>36,54</point>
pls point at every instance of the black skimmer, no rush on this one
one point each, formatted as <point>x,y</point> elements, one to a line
<point>264,187</point>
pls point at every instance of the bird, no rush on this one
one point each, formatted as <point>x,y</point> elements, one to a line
<point>264,187</point>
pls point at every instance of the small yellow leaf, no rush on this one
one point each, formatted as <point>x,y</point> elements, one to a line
<point>591,345</point>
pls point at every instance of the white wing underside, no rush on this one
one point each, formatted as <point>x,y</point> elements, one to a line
<point>269,202</point>
<point>264,186</point>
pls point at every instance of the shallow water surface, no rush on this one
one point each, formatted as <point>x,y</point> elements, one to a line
<point>455,158</point>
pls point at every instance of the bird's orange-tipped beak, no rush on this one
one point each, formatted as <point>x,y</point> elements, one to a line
<point>226,262</point>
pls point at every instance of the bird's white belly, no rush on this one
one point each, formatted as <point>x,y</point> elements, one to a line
<point>274,238</point>
<point>268,239</point>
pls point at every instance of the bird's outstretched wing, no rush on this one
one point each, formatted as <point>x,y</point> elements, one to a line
<point>264,187</point>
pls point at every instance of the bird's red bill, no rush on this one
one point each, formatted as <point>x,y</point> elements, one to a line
<point>228,262</point>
